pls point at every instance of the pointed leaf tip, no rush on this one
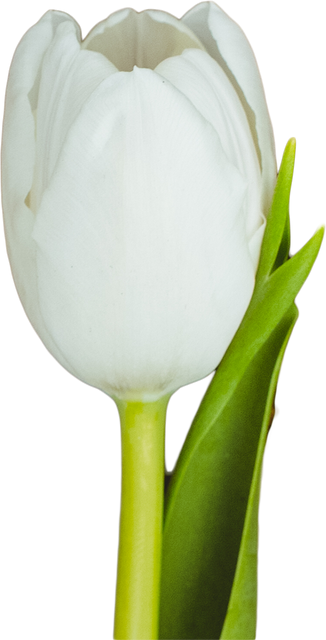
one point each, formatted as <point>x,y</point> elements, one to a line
<point>276,242</point>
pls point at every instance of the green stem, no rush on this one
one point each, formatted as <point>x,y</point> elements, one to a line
<point>141,519</point>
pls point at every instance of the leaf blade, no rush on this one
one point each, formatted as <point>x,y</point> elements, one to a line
<point>205,579</point>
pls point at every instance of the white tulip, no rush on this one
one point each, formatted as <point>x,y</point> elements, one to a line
<point>138,168</point>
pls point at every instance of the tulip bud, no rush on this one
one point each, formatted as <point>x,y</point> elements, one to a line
<point>138,168</point>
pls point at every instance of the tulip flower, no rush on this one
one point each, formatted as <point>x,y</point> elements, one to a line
<point>138,170</point>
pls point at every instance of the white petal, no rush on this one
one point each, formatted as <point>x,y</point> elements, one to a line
<point>18,158</point>
<point>143,264</point>
<point>49,80</point>
<point>68,77</point>
<point>228,45</point>
<point>202,80</point>
<point>129,38</point>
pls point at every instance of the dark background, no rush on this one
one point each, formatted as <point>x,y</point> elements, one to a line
<point>59,445</point>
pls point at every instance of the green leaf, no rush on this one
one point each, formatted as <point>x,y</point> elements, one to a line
<point>241,620</point>
<point>210,532</point>
<point>276,242</point>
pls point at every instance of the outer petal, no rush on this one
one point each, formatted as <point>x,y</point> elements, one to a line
<point>49,80</point>
<point>18,158</point>
<point>143,264</point>
<point>202,80</point>
<point>227,44</point>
